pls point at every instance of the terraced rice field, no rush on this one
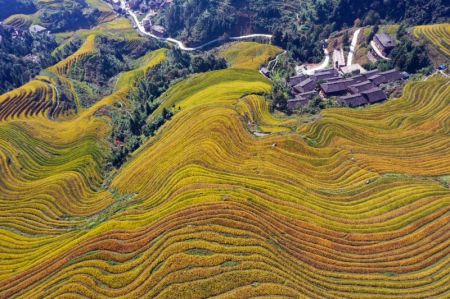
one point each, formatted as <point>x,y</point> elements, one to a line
<point>354,205</point>
<point>438,34</point>
<point>35,98</point>
<point>88,48</point>
<point>249,55</point>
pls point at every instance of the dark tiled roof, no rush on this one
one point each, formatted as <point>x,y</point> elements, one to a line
<point>326,71</point>
<point>297,102</point>
<point>305,86</point>
<point>392,75</point>
<point>333,79</point>
<point>336,86</point>
<point>325,74</point>
<point>353,100</point>
<point>265,71</point>
<point>377,79</point>
<point>294,80</point>
<point>385,40</point>
<point>374,95</point>
<point>306,82</point>
<point>307,95</point>
<point>362,86</point>
<point>359,78</point>
<point>371,73</point>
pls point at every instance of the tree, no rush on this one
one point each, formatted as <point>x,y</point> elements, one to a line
<point>277,38</point>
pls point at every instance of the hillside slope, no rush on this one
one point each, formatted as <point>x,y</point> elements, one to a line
<point>354,205</point>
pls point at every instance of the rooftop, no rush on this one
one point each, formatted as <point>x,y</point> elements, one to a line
<point>361,86</point>
<point>371,73</point>
<point>306,82</point>
<point>336,86</point>
<point>374,95</point>
<point>36,28</point>
<point>385,40</point>
<point>392,75</point>
<point>353,100</point>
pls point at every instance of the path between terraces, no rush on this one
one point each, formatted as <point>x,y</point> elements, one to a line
<point>180,44</point>
<point>352,47</point>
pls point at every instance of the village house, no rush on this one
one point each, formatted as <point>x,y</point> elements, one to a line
<point>147,25</point>
<point>134,4</point>
<point>392,75</point>
<point>377,79</point>
<point>294,80</point>
<point>159,30</point>
<point>37,29</point>
<point>305,86</point>
<point>370,74</point>
<point>353,100</point>
<point>325,74</point>
<point>384,43</point>
<point>335,88</point>
<point>116,7</point>
<point>301,99</point>
<point>358,78</point>
<point>265,71</point>
<point>359,87</point>
<point>296,102</point>
<point>334,79</point>
<point>374,95</point>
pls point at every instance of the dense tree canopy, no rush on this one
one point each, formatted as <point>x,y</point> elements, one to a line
<point>22,56</point>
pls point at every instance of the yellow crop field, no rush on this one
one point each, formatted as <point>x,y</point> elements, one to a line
<point>228,200</point>
<point>35,98</point>
<point>438,34</point>
<point>147,62</point>
<point>88,48</point>
<point>249,55</point>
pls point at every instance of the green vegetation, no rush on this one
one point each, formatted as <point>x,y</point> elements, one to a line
<point>409,55</point>
<point>198,21</point>
<point>130,126</point>
<point>66,15</point>
<point>22,56</point>
<point>10,7</point>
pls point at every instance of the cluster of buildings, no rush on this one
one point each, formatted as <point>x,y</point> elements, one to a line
<point>362,88</point>
<point>355,91</point>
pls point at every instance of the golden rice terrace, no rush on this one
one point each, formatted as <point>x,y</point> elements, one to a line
<point>227,199</point>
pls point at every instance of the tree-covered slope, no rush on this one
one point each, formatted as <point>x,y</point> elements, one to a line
<point>198,21</point>
<point>10,7</point>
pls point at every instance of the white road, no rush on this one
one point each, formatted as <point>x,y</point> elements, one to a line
<point>180,44</point>
<point>321,66</point>
<point>352,47</point>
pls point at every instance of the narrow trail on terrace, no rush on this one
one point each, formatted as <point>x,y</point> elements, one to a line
<point>180,44</point>
<point>353,47</point>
